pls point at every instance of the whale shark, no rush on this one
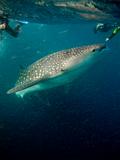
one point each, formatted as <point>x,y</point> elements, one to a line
<point>55,69</point>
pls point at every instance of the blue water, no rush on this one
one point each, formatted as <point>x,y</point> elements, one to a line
<point>77,118</point>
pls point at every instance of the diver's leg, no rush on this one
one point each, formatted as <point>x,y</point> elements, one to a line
<point>110,37</point>
<point>13,32</point>
<point>17,28</point>
<point>115,32</point>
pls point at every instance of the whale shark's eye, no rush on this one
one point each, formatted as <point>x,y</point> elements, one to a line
<point>93,50</point>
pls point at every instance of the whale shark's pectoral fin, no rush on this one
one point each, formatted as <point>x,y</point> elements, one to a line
<point>55,75</point>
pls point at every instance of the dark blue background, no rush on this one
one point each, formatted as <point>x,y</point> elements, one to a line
<point>80,118</point>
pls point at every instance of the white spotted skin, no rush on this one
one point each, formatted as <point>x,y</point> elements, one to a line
<point>55,69</point>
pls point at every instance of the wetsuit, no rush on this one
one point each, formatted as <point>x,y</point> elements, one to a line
<point>114,32</point>
<point>103,27</point>
<point>13,32</point>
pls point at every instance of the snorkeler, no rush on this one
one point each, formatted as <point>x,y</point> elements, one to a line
<point>103,27</point>
<point>4,26</point>
<point>115,31</point>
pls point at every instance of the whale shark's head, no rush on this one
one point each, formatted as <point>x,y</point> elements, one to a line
<point>53,65</point>
<point>95,48</point>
